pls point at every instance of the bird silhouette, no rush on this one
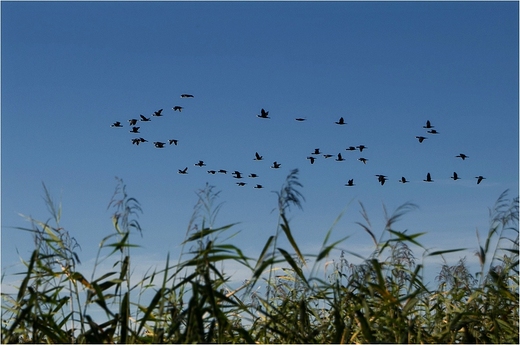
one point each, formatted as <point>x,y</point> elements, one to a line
<point>361,148</point>
<point>428,178</point>
<point>340,158</point>
<point>433,131</point>
<point>258,157</point>
<point>135,129</point>
<point>200,164</point>
<point>462,155</point>
<point>421,138</point>
<point>428,124</point>
<point>133,122</point>
<point>479,179</point>
<point>186,95</point>
<point>276,165</point>
<point>136,141</point>
<point>263,114</point>
<point>157,113</point>
<point>183,171</point>
<point>350,183</point>
<point>144,118</point>
<point>212,172</point>
<point>237,174</point>
<point>328,156</point>
<point>241,184</point>
<point>300,119</point>
<point>143,140</point>
<point>158,144</point>
<point>258,186</point>
<point>116,124</point>
<point>403,180</point>
<point>316,152</point>
<point>177,108</point>
<point>351,148</point>
<point>173,141</point>
<point>312,159</point>
<point>455,177</point>
<point>382,179</point>
<point>340,122</point>
<point>222,171</point>
<point>253,175</point>
<point>364,160</point>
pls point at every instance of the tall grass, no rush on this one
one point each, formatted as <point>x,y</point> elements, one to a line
<point>383,299</point>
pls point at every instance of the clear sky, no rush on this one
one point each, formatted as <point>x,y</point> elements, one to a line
<point>71,69</point>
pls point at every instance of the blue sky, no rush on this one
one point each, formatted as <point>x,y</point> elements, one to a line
<point>71,69</point>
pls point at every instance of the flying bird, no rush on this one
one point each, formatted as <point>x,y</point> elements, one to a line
<point>237,174</point>
<point>350,183</point>
<point>222,171</point>
<point>241,184</point>
<point>276,165</point>
<point>135,129</point>
<point>421,138</point>
<point>212,172</point>
<point>340,158</point>
<point>177,108</point>
<point>200,164</point>
<point>403,180</point>
<point>433,131</point>
<point>133,122</point>
<point>136,141</point>
<point>186,95</point>
<point>428,124</point>
<point>258,186</point>
<point>116,124</point>
<point>312,159</point>
<point>143,140</point>
<point>328,156</point>
<point>258,157</point>
<point>364,160</point>
<point>300,119</point>
<point>455,177</point>
<point>144,119</point>
<point>183,171</point>
<point>263,114</point>
<point>316,152</point>
<point>361,147</point>
<point>351,148</point>
<point>157,113</point>
<point>253,175</point>
<point>479,179</point>
<point>173,141</point>
<point>428,178</point>
<point>340,122</point>
<point>382,179</point>
<point>462,155</point>
<point>158,144</point>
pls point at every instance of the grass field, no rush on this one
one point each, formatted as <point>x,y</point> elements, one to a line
<point>381,300</point>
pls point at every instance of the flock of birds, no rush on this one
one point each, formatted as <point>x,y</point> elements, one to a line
<point>276,165</point>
